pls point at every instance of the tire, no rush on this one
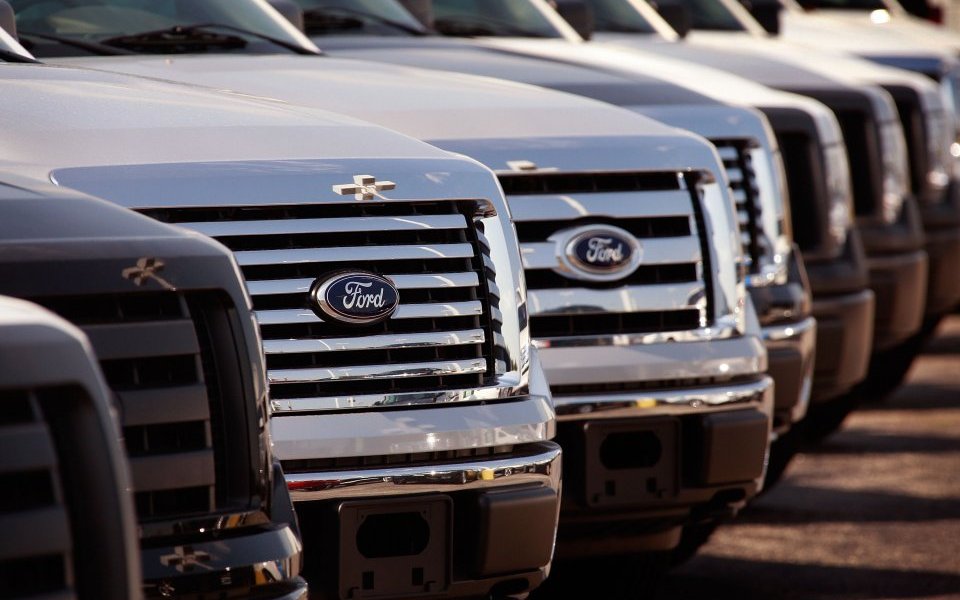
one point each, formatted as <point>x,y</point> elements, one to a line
<point>889,368</point>
<point>692,539</point>
<point>824,419</point>
<point>609,577</point>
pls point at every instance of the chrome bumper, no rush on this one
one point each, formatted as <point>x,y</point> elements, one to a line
<point>533,463</point>
<point>667,402</point>
<point>791,348</point>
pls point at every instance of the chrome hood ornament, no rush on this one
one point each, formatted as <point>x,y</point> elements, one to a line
<point>364,187</point>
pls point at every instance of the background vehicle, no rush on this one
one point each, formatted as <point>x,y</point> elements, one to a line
<point>435,421</point>
<point>168,321</point>
<point>65,478</point>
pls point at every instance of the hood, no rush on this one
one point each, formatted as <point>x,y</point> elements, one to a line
<point>452,111</point>
<point>854,32</point>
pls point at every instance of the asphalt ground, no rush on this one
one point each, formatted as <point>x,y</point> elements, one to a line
<point>873,512</point>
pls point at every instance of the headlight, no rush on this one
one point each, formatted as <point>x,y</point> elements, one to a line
<point>950,88</point>
<point>939,139</point>
<point>839,218</point>
<point>896,178</point>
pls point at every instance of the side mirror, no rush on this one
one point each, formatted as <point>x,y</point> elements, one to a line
<point>290,10</point>
<point>8,21</point>
<point>677,16</point>
<point>578,14</point>
<point>421,9</point>
<point>766,12</point>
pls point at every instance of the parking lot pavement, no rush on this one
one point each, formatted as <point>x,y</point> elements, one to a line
<point>872,513</point>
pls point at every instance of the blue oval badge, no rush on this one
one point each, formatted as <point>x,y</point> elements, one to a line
<point>355,297</point>
<point>597,252</point>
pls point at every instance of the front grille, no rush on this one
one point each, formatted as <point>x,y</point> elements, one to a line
<point>37,556</point>
<point>914,131</point>
<point>167,366</point>
<point>804,173</point>
<point>860,136</point>
<point>669,291</point>
<point>743,182</point>
<point>445,334</point>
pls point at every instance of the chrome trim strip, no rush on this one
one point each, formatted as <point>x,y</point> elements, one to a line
<point>656,251</point>
<point>292,406</point>
<point>436,310</point>
<point>641,403</point>
<point>721,331</point>
<point>375,342</point>
<point>781,333</point>
<point>541,464</point>
<point>268,287</point>
<point>617,205</point>
<point>332,225</point>
<point>626,299</point>
<point>352,254</point>
<point>370,372</point>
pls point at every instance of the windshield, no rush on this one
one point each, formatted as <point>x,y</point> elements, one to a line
<point>359,17</point>
<point>618,16</point>
<point>712,15</point>
<point>470,18</point>
<point>79,27</point>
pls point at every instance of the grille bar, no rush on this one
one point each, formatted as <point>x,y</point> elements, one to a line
<point>375,342</point>
<point>358,253</point>
<point>470,308</point>
<point>667,292</point>
<point>746,193</point>
<point>181,404</point>
<point>359,373</point>
<point>313,226</point>
<point>269,287</point>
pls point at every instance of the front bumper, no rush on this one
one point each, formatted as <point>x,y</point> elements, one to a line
<point>261,563</point>
<point>844,309</point>
<point>473,508</point>
<point>630,484</point>
<point>900,284</point>
<point>942,226</point>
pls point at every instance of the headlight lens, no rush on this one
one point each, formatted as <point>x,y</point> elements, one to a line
<point>838,188</point>
<point>939,139</point>
<point>893,148</point>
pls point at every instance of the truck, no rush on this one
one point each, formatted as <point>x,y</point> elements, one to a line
<point>165,319</point>
<point>649,288</point>
<point>405,399</point>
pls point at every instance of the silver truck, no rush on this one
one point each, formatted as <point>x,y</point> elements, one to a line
<point>406,400</point>
<point>633,253</point>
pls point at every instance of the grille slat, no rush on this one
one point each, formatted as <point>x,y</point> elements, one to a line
<point>375,342</point>
<point>181,404</point>
<point>357,253</point>
<point>442,335</point>
<point>667,292</point>
<point>182,470</point>
<point>360,373</point>
<point>743,182</point>
<point>160,338</point>
<point>270,287</point>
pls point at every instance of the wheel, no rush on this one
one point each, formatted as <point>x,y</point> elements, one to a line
<point>692,539</point>
<point>889,368</point>
<point>782,452</point>
<point>824,419</point>
<point>609,577</point>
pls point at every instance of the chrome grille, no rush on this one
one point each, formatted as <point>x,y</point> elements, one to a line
<point>668,292</point>
<point>158,357</point>
<point>743,183</point>
<point>38,558</point>
<point>444,334</point>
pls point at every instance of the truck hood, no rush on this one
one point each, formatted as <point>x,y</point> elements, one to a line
<point>452,111</point>
<point>138,142</point>
<point>852,31</point>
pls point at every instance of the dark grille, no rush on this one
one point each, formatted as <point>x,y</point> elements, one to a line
<point>157,357</point>
<point>805,179</point>
<point>743,181</point>
<point>435,253</point>
<point>860,136</point>
<point>658,209</point>
<point>33,507</point>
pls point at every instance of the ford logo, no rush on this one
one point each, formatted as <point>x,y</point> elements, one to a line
<point>597,252</point>
<point>354,297</point>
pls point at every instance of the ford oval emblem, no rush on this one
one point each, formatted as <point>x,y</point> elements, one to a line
<point>355,297</point>
<point>597,252</point>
